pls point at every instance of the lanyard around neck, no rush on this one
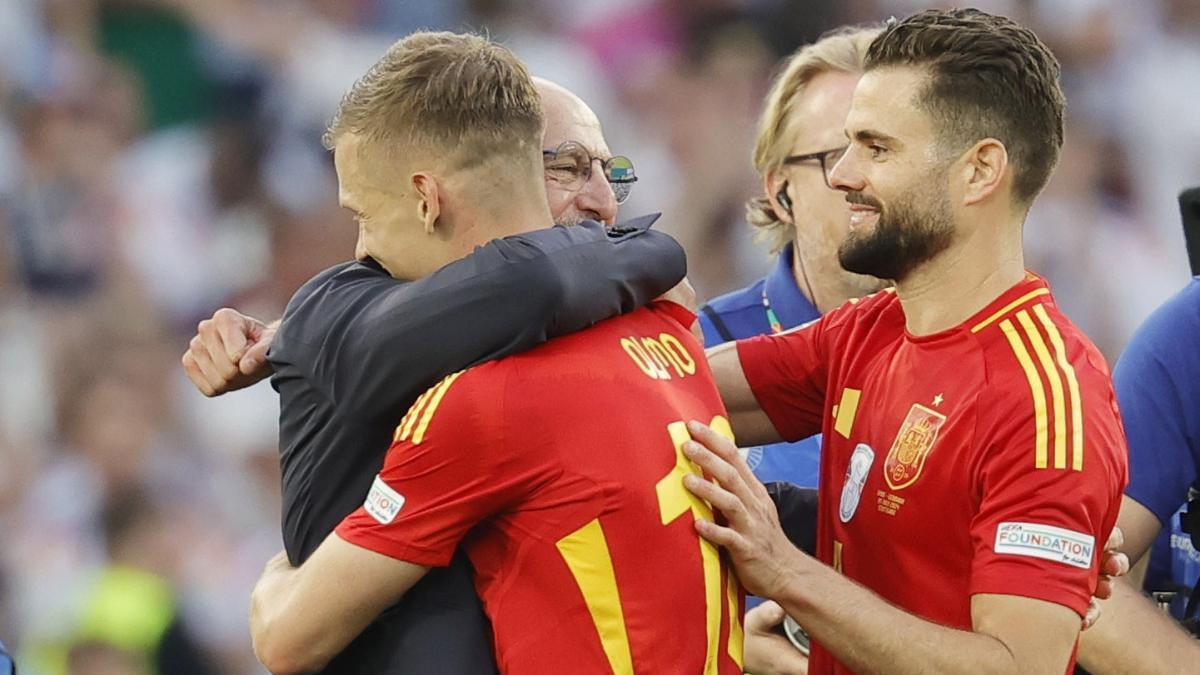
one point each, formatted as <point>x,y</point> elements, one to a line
<point>772,318</point>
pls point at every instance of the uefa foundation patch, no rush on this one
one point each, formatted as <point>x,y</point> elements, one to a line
<point>1047,542</point>
<point>383,503</point>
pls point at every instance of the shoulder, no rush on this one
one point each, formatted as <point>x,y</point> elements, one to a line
<point>460,405</point>
<point>1047,380</point>
<point>335,283</point>
<point>749,297</point>
<point>877,310</point>
<point>1036,340</point>
<point>739,312</point>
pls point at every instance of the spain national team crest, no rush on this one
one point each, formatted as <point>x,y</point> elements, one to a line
<point>906,459</point>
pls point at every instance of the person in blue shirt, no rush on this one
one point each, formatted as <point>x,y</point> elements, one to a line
<point>800,138</point>
<point>1157,383</point>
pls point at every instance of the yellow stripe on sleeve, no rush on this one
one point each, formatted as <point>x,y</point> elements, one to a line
<point>1035,388</point>
<point>586,553</point>
<point>1056,388</point>
<point>414,413</point>
<point>438,392</point>
<point>1060,352</point>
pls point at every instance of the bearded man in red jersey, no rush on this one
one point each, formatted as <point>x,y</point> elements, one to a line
<point>973,454</point>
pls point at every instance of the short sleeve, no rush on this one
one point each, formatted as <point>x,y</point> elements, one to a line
<point>1156,381</point>
<point>787,374</point>
<point>448,469</point>
<point>1043,519</point>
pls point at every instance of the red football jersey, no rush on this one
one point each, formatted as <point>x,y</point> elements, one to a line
<point>560,471</point>
<point>988,458</point>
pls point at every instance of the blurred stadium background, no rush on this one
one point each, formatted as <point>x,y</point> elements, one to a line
<point>161,158</point>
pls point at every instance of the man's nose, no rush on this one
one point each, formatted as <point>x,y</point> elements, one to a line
<point>845,175</point>
<point>597,196</point>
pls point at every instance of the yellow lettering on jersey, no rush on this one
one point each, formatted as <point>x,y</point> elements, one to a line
<point>837,556</point>
<point>438,392</point>
<point>657,357</point>
<point>642,359</point>
<point>586,553</point>
<point>845,411</point>
<point>680,356</point>
<point>1056,388</point>
<point>1060,353</point>
<point>1035,387</point>
<point>674,500</point>
<point>661,357</point>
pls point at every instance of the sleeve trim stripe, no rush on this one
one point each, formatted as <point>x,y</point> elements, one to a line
<point>1035,387</point>
<point>438,392</point>
<point>414,413</point>
<point>1060,351</point>
<point>1008,308</point>
<point>1056,388</point>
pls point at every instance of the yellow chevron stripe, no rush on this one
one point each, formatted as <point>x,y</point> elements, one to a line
<point>587,556</point>
<point>1056,388</point>
<point>1060,352</point>
<point>1008,308</point>
<point>438,393</point>
<point>735,647</point>
<point>1035,388</point>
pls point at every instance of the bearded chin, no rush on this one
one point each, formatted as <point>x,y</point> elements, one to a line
<point>904,238</point>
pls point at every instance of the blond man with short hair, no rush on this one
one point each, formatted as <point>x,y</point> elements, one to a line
<point>438,152</point>
<point>511,459</point>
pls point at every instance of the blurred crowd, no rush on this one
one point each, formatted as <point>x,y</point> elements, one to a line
<point>161,158</point>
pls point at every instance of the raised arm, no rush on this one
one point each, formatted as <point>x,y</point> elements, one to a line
<point>368,340</point>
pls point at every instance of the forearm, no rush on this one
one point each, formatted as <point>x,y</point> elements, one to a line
<point>869,635</point>
<point>300,618</point>
<point>1134,635</point>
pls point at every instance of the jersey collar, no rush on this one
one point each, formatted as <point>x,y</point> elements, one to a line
<point>1019,295</point>
<point>785,295</point>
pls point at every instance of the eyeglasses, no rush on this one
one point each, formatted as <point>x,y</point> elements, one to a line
<point>827,158</point>
<point>570,165</point>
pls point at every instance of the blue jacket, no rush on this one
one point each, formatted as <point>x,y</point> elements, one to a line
<point>743,314</point>
<point>1157,381</point>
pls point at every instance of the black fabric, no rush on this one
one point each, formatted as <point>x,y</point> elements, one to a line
<point>178,653</point>
<point>797,509</point>
<point>717,323</point>
<point>356,348</point>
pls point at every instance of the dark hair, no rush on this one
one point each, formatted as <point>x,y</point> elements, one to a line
<point>989,78</point>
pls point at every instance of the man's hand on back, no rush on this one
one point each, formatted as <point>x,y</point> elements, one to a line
<point>229,352</point>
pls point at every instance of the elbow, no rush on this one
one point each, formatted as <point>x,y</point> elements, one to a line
<point>281,657</point>
<point>279,650</point>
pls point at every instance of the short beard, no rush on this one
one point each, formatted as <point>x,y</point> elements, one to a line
<point>905,236</point>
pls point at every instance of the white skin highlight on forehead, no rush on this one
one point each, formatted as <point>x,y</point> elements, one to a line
<point>568,118</point>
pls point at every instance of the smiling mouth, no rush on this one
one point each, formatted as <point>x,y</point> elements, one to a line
<point>861,213</point>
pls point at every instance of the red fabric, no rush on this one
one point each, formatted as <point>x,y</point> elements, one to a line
<point>523,452</point>
<point>952,422</point>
